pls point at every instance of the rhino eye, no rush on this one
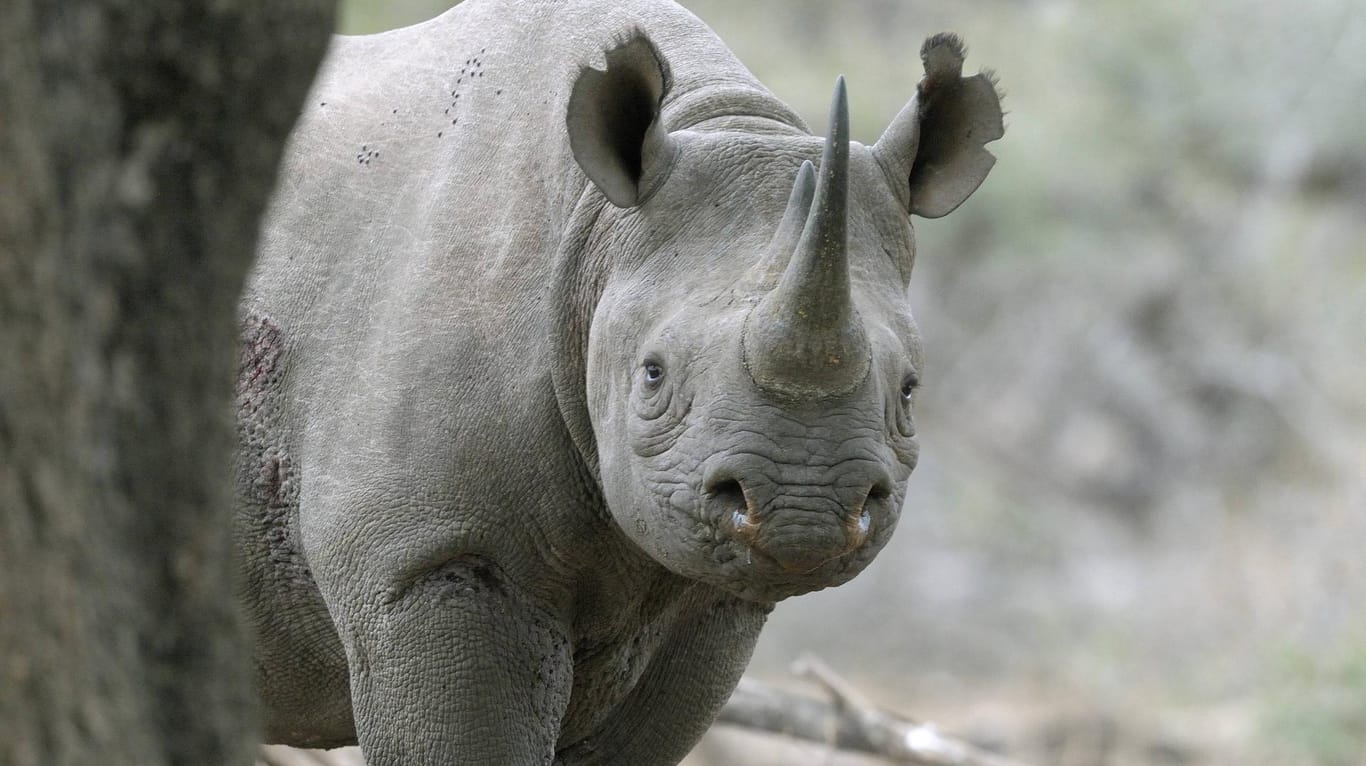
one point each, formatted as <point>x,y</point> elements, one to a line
<point>654,373</point>
<point>908,386</point>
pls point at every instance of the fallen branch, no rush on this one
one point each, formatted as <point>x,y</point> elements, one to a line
<point>280,755</point>
<point>847,722</point>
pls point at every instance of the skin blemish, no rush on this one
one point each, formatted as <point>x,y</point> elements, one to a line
<point>259,356</point>
<point>438,134</point>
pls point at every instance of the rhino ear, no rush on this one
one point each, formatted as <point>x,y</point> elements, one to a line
<point>934,150</point>
<point>615,131</point>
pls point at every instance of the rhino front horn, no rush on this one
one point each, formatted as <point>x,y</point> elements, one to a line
<point>804,339</point>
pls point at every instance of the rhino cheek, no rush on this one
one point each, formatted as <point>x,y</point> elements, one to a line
<point>651,504</point>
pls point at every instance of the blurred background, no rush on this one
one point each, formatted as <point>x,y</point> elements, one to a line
<point>1137,534</point>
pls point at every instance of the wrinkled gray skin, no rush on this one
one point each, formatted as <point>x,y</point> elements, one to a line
<point>560,368</point>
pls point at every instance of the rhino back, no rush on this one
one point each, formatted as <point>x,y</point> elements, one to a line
<point>429,182</point>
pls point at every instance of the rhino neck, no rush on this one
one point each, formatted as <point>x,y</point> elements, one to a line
<point>579,278</point>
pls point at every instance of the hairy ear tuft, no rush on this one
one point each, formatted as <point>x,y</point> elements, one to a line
<point>936,146</point>
<point>942,56</point>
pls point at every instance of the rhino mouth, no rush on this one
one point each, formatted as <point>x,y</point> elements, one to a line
<point>770,554</point>
<point>800,556</point>
<point>754,575</point>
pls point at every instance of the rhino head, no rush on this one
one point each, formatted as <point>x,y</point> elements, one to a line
<point>752,362</point>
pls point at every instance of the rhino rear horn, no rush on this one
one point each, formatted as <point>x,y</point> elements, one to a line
<point>934,151</point>
<point>613,118</point>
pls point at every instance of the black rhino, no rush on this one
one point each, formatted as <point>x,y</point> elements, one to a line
<point>561,364</point>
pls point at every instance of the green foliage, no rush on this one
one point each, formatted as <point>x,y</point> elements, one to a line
<point>360,17</point>
<point>1317,713</point>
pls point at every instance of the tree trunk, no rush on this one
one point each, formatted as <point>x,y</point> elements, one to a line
<point>138,143</point>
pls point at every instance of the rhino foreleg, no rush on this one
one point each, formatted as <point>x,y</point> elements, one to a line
<point>457,669</point>
<point>686,683</point>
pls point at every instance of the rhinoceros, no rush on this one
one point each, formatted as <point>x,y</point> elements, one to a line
<point>568,353</point>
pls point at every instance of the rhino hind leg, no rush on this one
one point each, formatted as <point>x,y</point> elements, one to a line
<point>268,472</point>
<point>300,664</point>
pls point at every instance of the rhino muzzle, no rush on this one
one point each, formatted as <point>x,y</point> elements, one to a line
<point>797,527</point>
<point>805,340</point>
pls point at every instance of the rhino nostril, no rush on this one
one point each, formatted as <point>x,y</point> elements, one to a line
<point>729,492</point>
<point>880,491</point>
<point>856,529</point>
<point>743,528</point>
<point>859,522</point>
